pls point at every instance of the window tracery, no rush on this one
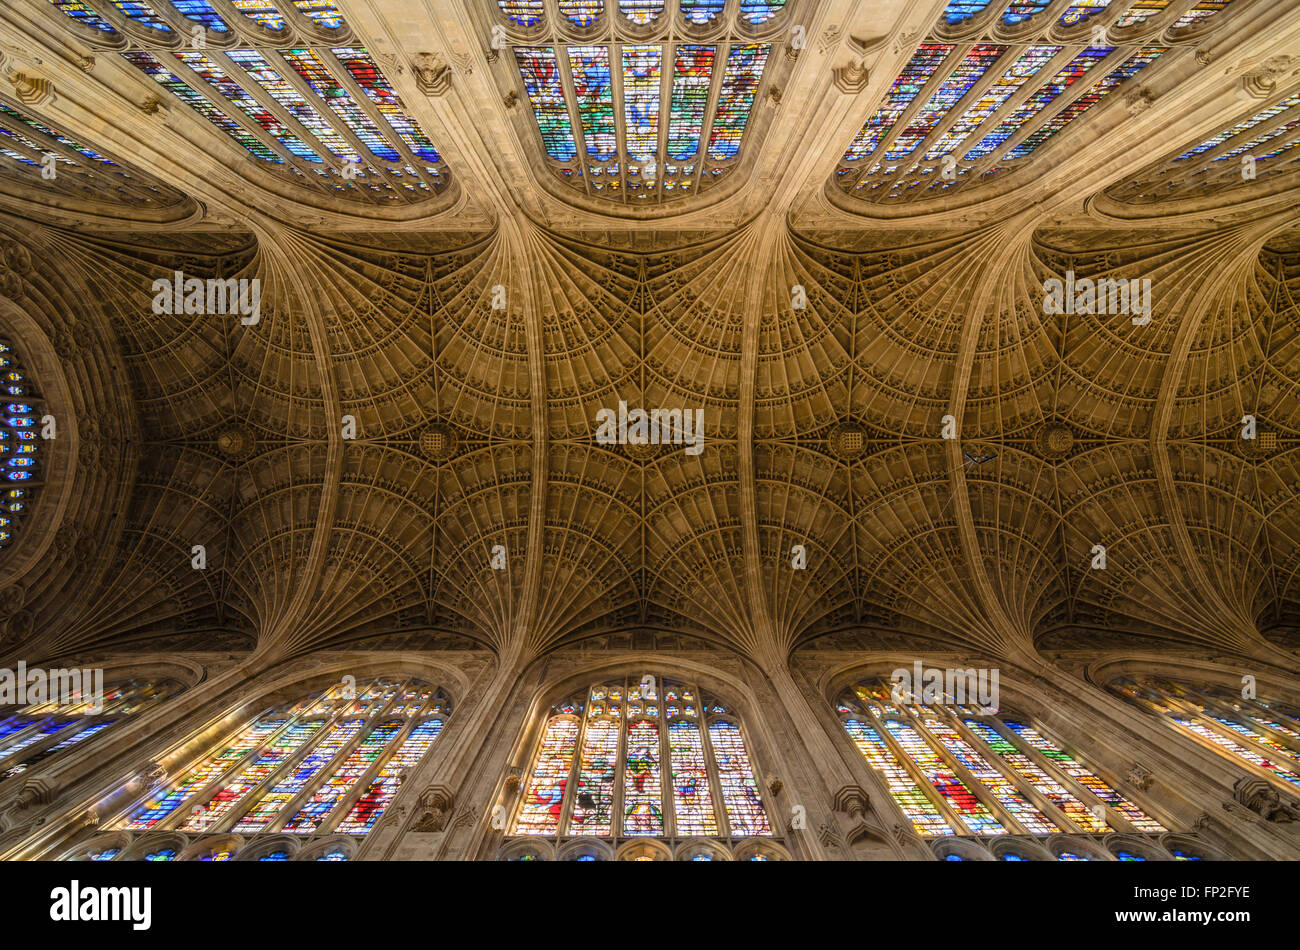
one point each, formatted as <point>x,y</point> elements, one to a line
<point>632,759</point>
<point>329,765</point>
<point>958,770</point>
<point>20,441</point>
<point>35,733</point>
<point>643,122</point>
<point>288,85</point>
<point>976,102</point>
<point>1262,735</point>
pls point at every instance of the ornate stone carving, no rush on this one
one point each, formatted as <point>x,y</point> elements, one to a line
<point>848,440</point>
<point>152,104</point>
<point>1264,800</point>
<point>1139,776</point>
<point>32,90</point>
<point>853,800</point>
<point>432,74</point>
<point>851,79</point>
<point>510,99</point>
<point>438,442</point>
<point>434,809</point>
<point>1139,101</point>
<point>1054,440</point>
<point>236,441</point>
<point>1260,82</point>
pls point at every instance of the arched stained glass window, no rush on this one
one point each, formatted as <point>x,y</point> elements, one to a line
<point>327,117</point>
<point>21,444</point>
<point>959,114</point>
<point>627,759</point>
<point>329,765</point>
<point>38,732</point>
<point>1265,736</point>
<point>655,120</point>
<point>956,769</point>
<point>1265,144</point>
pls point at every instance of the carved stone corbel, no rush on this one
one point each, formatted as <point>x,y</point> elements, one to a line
<point>32,90</point>
<point>851,79</point>
<point>1264,800</point>
<point>1140,776</point>
<point>432,74</point>
<point>1260,82</point>
<point>853,800</point>
<point>434,809</point>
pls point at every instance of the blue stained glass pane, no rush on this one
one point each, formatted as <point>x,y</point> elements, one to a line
<point>1020,72</point>
<point>540,73</point>
<point>641,70</point>
<point>200,104</point>
<point>958,10</point>
<point>700,12</point>
<point>142,13</point>
<point>692,80</point>
<point>84,15</point>
<point>760,11</point>
<point>1018,12</point>
<point>202,12</point>
<point>18,476</point>
<point>289,99</point>
<point>262,13</point>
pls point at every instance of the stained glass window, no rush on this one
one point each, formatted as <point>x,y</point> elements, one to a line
<point>1263,735</point>
<point>745,66</point>
<point>760,11</point>
<point>631,759</point>
<point>84,15</point>
<point>595,94</point>
<point>641,11</point>
<point>523,12</point>
<point>21,444</point>
<point>542,82</point>
<point>958,10</point>
<point>142,12</point>
<point>956,769</point>
<point>641,66</point>
<point>323,12</point>
<point>262,13</point>
<point>331,764</point>
<point>582,12</point>
<point>902,90</point>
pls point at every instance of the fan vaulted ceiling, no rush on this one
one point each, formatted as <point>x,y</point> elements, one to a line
<point>825,225</point>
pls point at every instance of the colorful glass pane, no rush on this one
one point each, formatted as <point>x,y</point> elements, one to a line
<point>745,812</point>
<point>744,71</point>
<point>1097,93</point>
<point>594,91</point>
<point>262,13</point>
<point>233,792</point>
<point>1020,72</point>
<point>642,794</point>
<point>641,12</point>
<point>1022,10</point>
<point>582,12</point>
<point>316,811</point>
<point>308,65</point>
<point>1204,9</point>
<point>958,10</point>
<point>692,82</point>
<point>160,805</point>
<point>641,67</point>
<point>593,806</point>
<point>541,78</point>
<point>973,811</point>
<point>201,11</point>
<point>760,11</point>
<point>925,61</point>
<point>926,819</point>
<point>381,790</point>
<point>178,87</point>
<point>323,12</point>
<point>265,810</point>
<point>539,810</point>
<point>375,85</point>
<point>1078,12</point>
<point>290,100</point>
<point>523,12</point>
<point>701,12</point>
<point>692,798</point>
<point>967,73</point>
<point>142,12</point>
<point>84,15</point>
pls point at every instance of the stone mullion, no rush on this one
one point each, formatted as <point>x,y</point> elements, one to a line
<point>932,86</point>
<point>711,766</point>
<point>323,774</point>
<point>914,772</point>
<point>255,794</point>
<point>24,734</point>
<point>53,739</point>
<point>667,801</point>
<point>562,828</point>
<point>721,50</point>
<point>201,796</point>
<point>1114,820</point>
<point>322,109</point>
<point>359,786</point>
<point>1207,719</point>
<point>1026,787</point>
<point>564,72</point>
<point>1207,158</point>
<point>1226,711</point>
<point>978,788</point>
<point>1099,71</point>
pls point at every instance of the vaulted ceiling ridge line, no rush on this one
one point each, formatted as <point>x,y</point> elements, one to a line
<point>289,261</point>
<point>1235,253</point>
<point>1006,248</point>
